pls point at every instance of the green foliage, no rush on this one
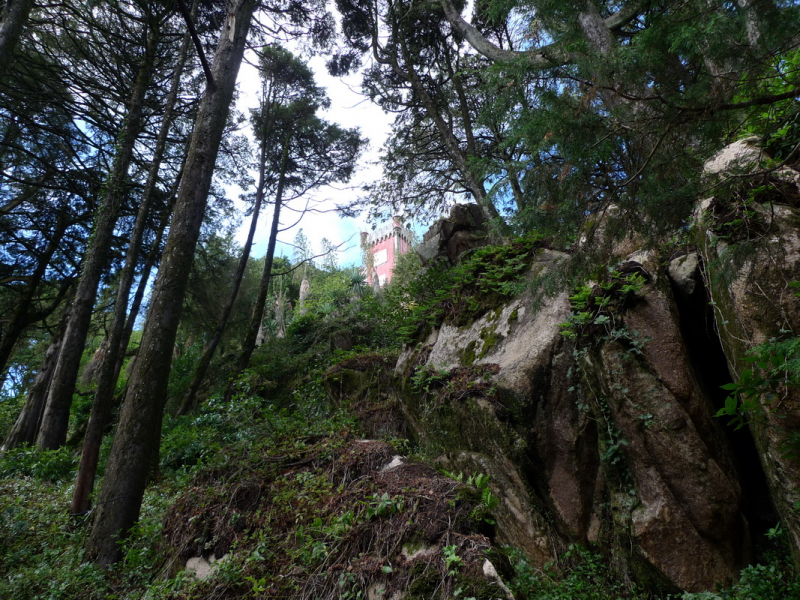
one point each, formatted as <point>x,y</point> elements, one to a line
<point>48,465</point>
<point>460,294</point>
<point>778,124</point>
<point>40,558</point>
<point>383,506</point>
<point>456,384</point>
<point>737,211</point>
<point>242,425</point>
<point>10,407</point>
<point>578,573</point>
<point>595,307</point>
<point>488,501</point>
<point>425,379</point>
<point>452,560</point>
<point>774,579</point>
<point>774,370</point>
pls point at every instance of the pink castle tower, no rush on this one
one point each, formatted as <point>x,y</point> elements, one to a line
<point>382,248</point>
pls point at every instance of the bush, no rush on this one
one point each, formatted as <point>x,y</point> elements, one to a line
<point>48,465</point>
<point>580,574</point>
<point>758,582</point>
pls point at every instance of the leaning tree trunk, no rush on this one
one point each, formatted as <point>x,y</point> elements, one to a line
<point>107,377</point>
<point>258,310</point>
<point>189,399</point>
<point>55,420</point>
<point>22,315</point>
<point>14,16</point>
<point>149,263</point>
<point>27,424</point>
<point>136,440</point>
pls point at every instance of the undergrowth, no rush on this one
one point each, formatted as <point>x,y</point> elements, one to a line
<point>579,573</point>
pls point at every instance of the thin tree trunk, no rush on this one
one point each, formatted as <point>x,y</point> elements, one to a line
<point>55,420</point>
<point>189,400</point>
<point>27,424</point>
<point>21,317</point>
<point>136,439</point>
<point>108,375</point>
<point>15,15</point>
<point>459,158</point>
<point>258,310</point>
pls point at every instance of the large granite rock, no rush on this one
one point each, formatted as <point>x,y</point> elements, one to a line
<point>610,443</point>
<point>609,439</point>
<point>749,271</point>
<point>463,230</point>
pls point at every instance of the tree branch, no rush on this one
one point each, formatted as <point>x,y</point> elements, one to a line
<point>552,55</point>
<point>196,40</point>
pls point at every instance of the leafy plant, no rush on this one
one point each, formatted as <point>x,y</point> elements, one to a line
<point>459,294</point>
<point>596,307</point>
<point>488,501</point>
<point>383,506</point>
<point>49,465</point>
<point>452,560</point>
<point>426,378</point>
<point>578,573</point>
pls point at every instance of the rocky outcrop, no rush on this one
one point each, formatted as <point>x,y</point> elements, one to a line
<point>609,441</point>
<point>463,230</point>
<point>607,436</point>
<point>749,244</point>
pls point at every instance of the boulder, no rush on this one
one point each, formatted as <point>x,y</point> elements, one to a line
<point>684,272</point>
<point>741,156</point>
<point>463,230</point>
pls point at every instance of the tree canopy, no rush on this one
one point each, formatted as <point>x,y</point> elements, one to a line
<point>551,111</point>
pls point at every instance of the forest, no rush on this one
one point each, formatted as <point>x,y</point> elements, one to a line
<point>584,383</point>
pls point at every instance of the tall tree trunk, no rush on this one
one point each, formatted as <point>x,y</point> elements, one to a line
<point>120,498</point>
<point>22,315</point>
<point>13,19</point>
<point>27,424</point>
<point>107,377</point>
<point>149,263</point>
<point>55,420</point>
<point>189,399</point>
<point>249,344</point>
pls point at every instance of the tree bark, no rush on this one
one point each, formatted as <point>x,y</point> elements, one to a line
<point>55,420</point>
<point>15,15</point>
<point>108,375</point>
<point>189,400</point>
<point>120,498</point>
<point>27,424</point>
<point>249,344</point>
<point>149,263</point>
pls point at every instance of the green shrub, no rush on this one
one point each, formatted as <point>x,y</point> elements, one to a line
<point>10,406</point>
<point>48,465</point>
<point>758,582</point>
<point>578,574</point>
<point>481,282</point>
